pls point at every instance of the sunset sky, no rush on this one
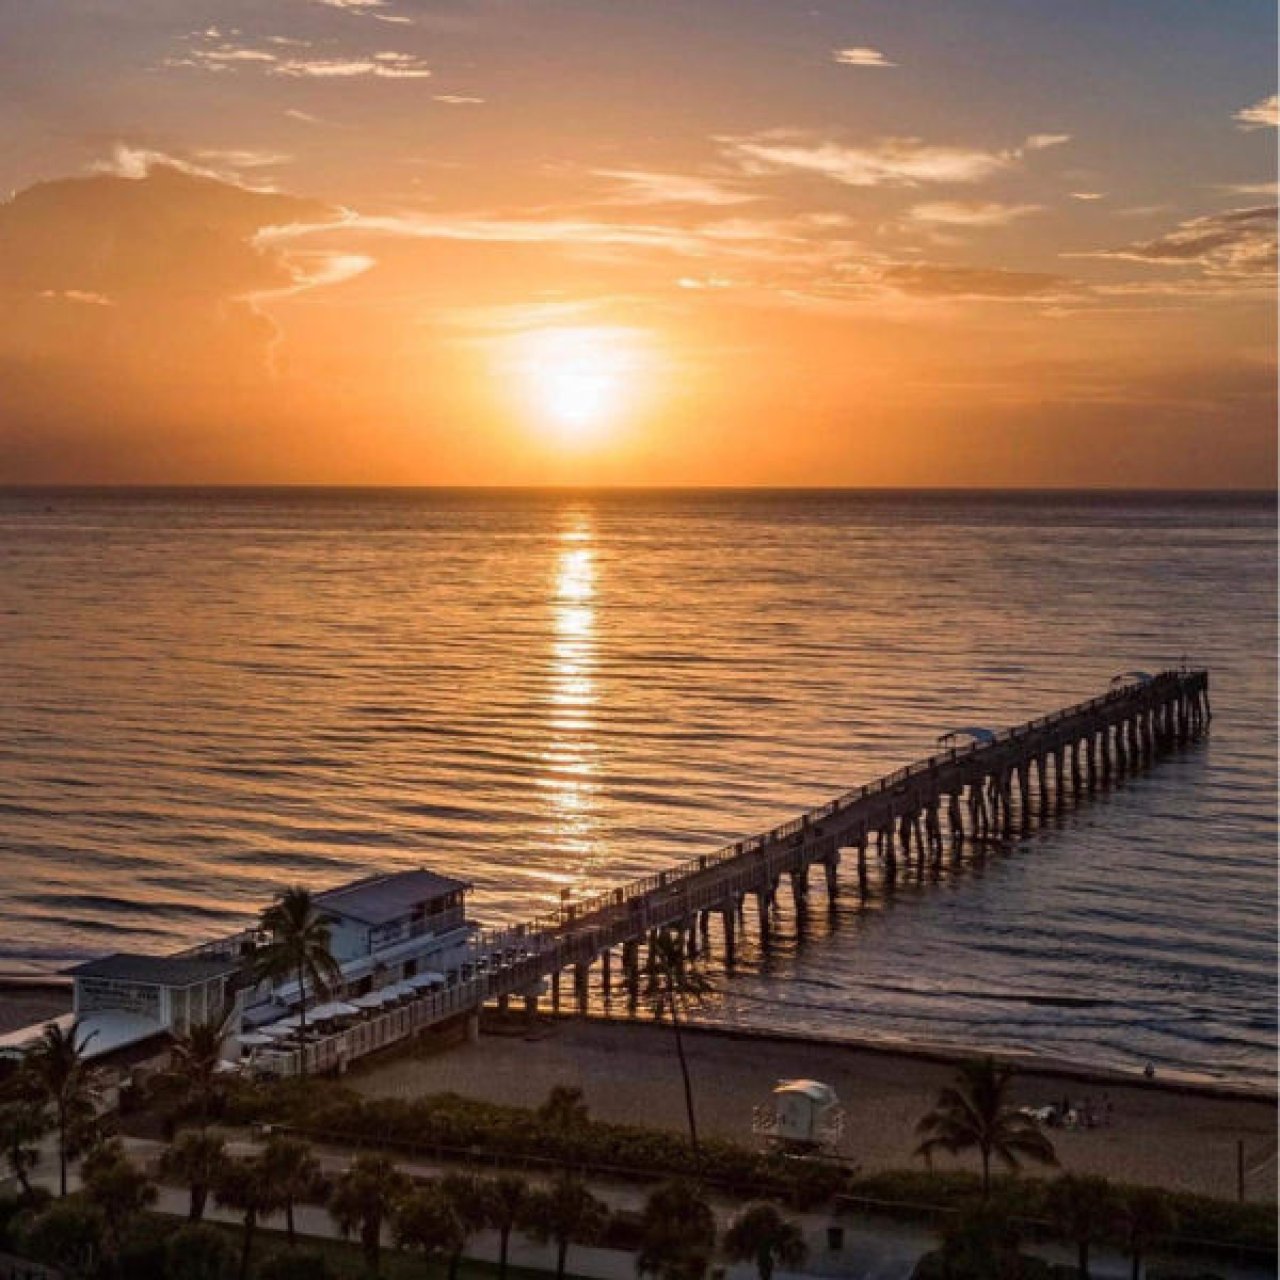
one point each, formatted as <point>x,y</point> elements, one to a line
<point>740,242</point>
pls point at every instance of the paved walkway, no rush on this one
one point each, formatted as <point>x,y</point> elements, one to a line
<point>871,1248</point>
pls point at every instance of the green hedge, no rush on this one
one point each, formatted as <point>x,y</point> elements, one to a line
<point>450,1124</point>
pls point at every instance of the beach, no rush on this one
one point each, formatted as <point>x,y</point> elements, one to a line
<point>1177,1137</point>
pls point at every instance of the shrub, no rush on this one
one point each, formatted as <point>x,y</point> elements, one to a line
<point>198,1251</point>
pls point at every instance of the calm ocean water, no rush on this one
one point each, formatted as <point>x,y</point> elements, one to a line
<point>208,695</point>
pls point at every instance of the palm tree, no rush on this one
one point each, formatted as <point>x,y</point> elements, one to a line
<point>506,1201</point>
<point>975,1112</point>
<point>1144,1215</point>
<point>566,1212</point>
<point>465,1195</point>
<point>198,1160</point>
<point>246,1185</point>
<point>118,1187</point>
<point>299,949</point>
<point>760,1234</point>
<point>671,988</point>
<point>67,1082</point>
<point>295,1173</point>
<point>364,1198</point>
<point>23,1122</point>
<point>677,1233</point>
<point>1081,1206</point>
<point>427,1221</point>
<point>194,1061</point>
<point>565,1114</point>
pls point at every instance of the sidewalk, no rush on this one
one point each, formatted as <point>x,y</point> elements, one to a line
<point>871,1249</point>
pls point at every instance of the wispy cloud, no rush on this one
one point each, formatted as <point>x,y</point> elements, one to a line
<point>905,162</point>
<point>1241,242</point>
<point>215,52</point>
<point>955,213</point>
<point>367,8</point>
<point>932,280</point>
<point>1088,195</point>
<point>861,55</point>
<point>638,186</point>
<point>1263,114</point>
<point>457,99</point>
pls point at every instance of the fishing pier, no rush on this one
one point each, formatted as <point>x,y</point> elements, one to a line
<point>979,788</point>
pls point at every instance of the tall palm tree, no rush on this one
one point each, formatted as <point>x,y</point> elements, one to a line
<point>1081,1206</point>
<point>194,1061</point>
<point>672,986</point>
<point>760,1234</point>
<point>363,1198</point>
<point>299,948</point>
<point>466,1195</point>
<point>1144,1215</point>
<point>976,1112</point>
<point>246,1185</point>
<point>295,1173</point>
<point>677,1233</point>
<point>67,1082</point>
<point>566,1212</point>
<point>197,1160</point>
<point>506,1202</point>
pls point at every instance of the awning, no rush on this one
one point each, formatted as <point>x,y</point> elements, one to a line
<point>374,1000</point>
<point>254,1040</point>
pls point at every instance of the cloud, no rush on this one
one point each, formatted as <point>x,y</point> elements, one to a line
<point>383,66</point>
<point>861,56</point>
<point>1043,141</point>
<point>930,280</point>
<point>367,8</point>
<point>457,100</point>
<point>1239,243</point>
<point>218,54</point>
<point>1088,195</point>
<point>644,187</point>
<point>1263,114</point>
<point>948,213</point>
<point>904,162</point>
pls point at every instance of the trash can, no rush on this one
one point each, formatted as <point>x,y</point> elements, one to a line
<point>835,1239</point>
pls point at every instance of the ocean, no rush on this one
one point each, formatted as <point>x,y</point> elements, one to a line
<point>208,695</point>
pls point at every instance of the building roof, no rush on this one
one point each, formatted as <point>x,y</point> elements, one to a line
<point>380,898</point>
<point>156,971</point>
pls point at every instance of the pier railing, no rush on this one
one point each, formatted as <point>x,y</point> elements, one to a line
<point>573,912</point>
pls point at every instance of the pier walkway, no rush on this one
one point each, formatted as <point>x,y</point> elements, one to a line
<point>985,789</point>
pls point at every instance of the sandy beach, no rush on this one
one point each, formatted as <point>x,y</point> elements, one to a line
<point>1162,1135</point>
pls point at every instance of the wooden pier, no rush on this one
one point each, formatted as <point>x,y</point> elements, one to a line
<point>990,788</point>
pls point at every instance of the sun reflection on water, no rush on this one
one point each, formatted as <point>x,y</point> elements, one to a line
<point>568,759</point>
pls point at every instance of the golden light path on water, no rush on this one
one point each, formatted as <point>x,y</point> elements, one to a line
<point>570,763</point>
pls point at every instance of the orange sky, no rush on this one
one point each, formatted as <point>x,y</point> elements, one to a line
<point>736,242</point>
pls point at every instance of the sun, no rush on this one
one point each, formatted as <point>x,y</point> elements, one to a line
<point>579,383</point>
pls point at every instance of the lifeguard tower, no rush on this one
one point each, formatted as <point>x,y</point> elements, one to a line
<point>803,1116</point>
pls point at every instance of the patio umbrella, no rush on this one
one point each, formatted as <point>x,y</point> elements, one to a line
<point>254,1040</point>
<point>424,981</point>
